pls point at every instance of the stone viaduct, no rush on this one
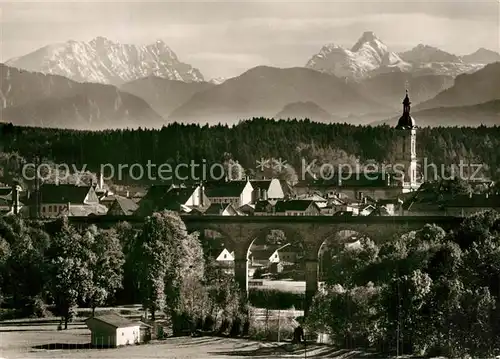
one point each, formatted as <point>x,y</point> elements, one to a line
<point>311,231</point>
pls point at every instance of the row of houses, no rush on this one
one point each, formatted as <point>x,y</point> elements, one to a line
<point>273,258</point>
<point>242,198</point>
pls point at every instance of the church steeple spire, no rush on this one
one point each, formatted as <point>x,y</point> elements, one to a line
<point>406,103</point>
<point>406,121</point>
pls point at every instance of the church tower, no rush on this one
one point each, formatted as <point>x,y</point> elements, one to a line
<point>406,149</point>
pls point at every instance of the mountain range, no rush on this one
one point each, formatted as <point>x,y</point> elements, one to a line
<point>264,91</point>
<point>162,94</point>
<point>108,62</point>
<point>35,99</point>
<point>103,84</point>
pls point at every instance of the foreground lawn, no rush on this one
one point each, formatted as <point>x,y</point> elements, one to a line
<point>41,341</point>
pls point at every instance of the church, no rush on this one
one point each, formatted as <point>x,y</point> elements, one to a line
<point>399,177</point>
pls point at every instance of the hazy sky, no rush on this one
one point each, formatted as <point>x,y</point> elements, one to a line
<point>225,38</point>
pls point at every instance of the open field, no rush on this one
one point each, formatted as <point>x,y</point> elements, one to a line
<point>21,342</point>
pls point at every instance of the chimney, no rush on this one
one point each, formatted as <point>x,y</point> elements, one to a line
<point>487,195</point>
<point>470,194</point>
<point>100,180</point>
<point>202,195</point>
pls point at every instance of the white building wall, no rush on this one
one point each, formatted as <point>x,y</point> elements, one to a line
<point>127,336</point>
<point>246,195</point>
<point>275,190</point>
<point>195,198</point>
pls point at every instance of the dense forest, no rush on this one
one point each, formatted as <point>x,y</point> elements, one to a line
<point>249,141</point>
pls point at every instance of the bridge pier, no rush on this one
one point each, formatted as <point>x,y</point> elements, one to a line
<point>311,277</point>
<point>241,274</point>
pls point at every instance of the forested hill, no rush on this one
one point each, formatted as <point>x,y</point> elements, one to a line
<point>248,142</point>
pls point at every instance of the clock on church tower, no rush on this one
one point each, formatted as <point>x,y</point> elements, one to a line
<point>406,149</point>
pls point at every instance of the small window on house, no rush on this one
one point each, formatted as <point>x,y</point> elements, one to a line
<point>123,334</point>
<point>43,209</point>
<point>225,256</point>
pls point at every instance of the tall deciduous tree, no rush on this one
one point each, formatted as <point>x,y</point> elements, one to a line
<point>24,272</point>
<point>166,254</point>
<point>70,271</point>
<point>107,268</point>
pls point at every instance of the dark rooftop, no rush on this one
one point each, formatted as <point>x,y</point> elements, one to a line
<point>127,206</point>
<point>114,320</point>
<point>63,193</point>
<point>225,189</point>
<point>293,205</point>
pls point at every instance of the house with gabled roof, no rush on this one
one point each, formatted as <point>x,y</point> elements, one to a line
<point>264,208</point>
<point>297,207</point>
<point>122,206</point>
<point>113,330</point>
<point>221,209</point>
<point>333,206</point>
<point>172,198</point>
<point>247,209</point>
<point>319,200</point>
<point>270,189</point>
<point>237,193</point>
<point>274,256</point>
<point>378,185</point>
<point>54,200</point>
<point>225,258</point>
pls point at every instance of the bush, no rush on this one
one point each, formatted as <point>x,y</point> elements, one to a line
<point>245,331</point>
<point>9,314</point>
<point>182,324</point>
<point>259,272</point>
<point>209,324</point>
<point>225,325</point>
<point>235,327</point>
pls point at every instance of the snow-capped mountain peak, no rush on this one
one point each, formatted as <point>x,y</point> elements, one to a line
<point>105,61</point>
<point>368,54</point>
<point>369,39</point>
